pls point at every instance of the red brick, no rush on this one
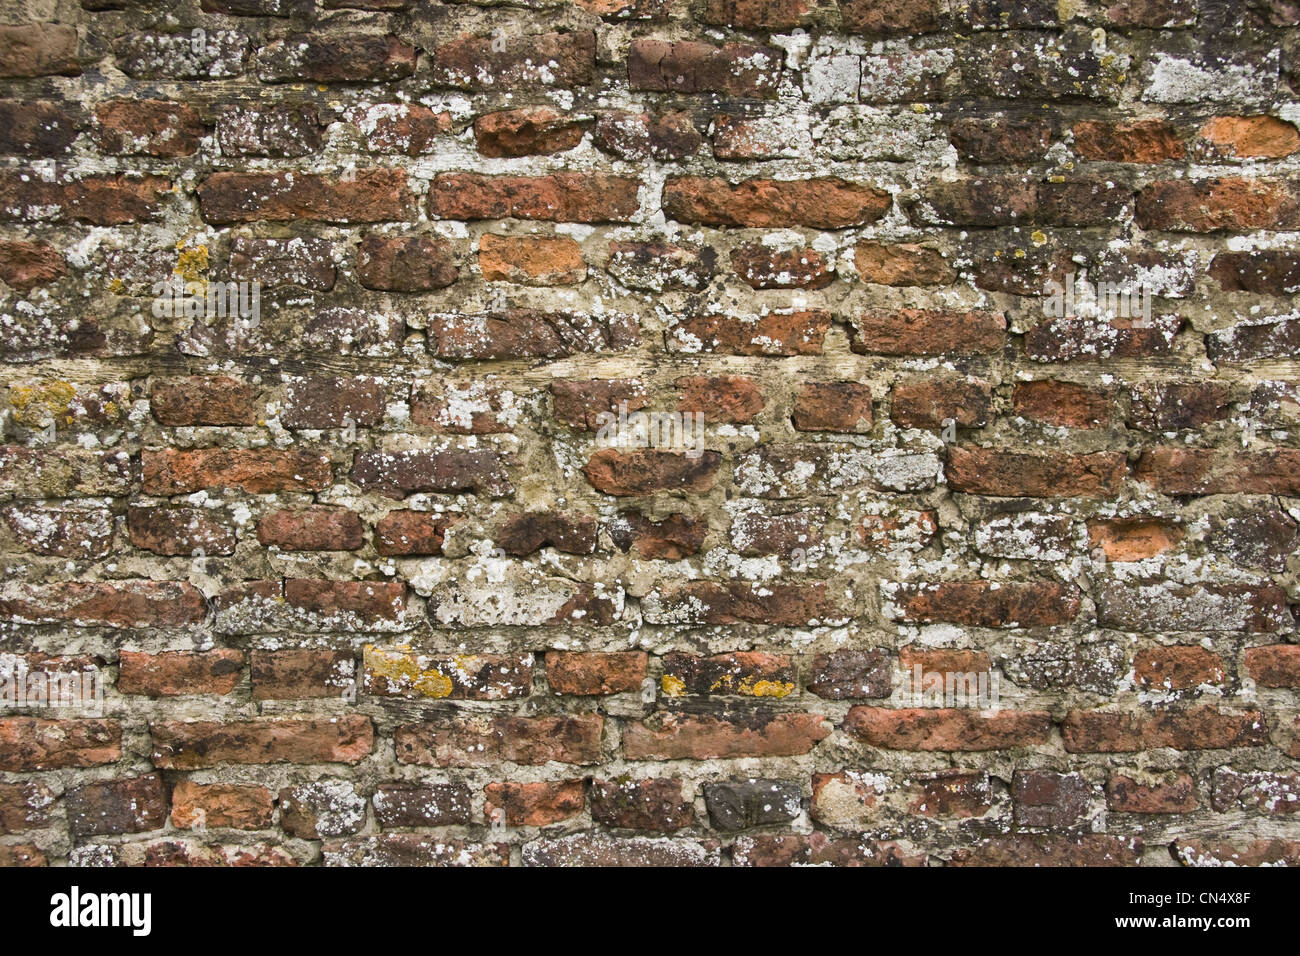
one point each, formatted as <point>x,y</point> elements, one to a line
<point>556,197</point>
<point>1090,849</point>
<point>333,402</point>
<point>1171,406</point>
<point>170,471</point>
<point>932,402</point>
<point>1173,792</point>
<point>38,49</point>
<point>927,332</point>
<point>100,200</point>
<point>1215,205</point>
<point>754,533</point>
<point>298,261</point>
<point>672,538</point>
<point>368,195</point>
<point>529,131</point>
<point>179,745</point>
<point>721,398</point>
<point>597,849</point>
<point>199,806</point>
<point>1128,141</point>
<point>1007,474</point>
<point>405,263</point>
<point>148,127</point>
<point>24,806</point>
<point>22,854</point>
<point>1177,668</point>
<point>180,531</point>
<point>877,17</point>
<point>269,129</point>
<point>465,408</point>
<point>590,674</point>
<point>1197,728</point>
<point>581,403</point>
<point>1274,665</point>
<point>634,136</point>
<point>413,805</point>
<point>1205,471</point>
<point>397,474</point>
<point>851,674</point>
<point>1046,799</point>
<point>1263,271</point>
<point>669,736</point>
<point>481,741</point>
<point>27,265</point>
<point>400,672</point>
<point>1011,202</point>
<point>1262,852</point>
<point>998,139</point>
<point>832,407</point>
<point>66,533</point>
<point>36,128</point>
<point>563,60</point>
<point>989,604</point>
<point>318,528</point>
<point>302,673</point>
<point>120,604</point>
<point>569,532</point>
<point>117,806</point>
<point>531,260</point>
<point>1250,137</point>
<point>646,471</point>
<point>535,804</point>
<point>327,808</point>
<point>800,332</point>
<point>31,743</point>
<point>204,400</point>
<point>901,264</point>
<point>528,333</point>
<point>829,203</point>
<point>656,266</point>
<point>1063,404</point>
<point>404,533</point>
<point>947,729</point>
<point>688,66</point>
<point>777,16</point>
<point>763,267</point>
<point>743,673</point>
<point>1166,606</point>
<point>817,849</point>
<point>654,804</point>
<point>909,530</point>
<point>176,673</point>
<point>412,849</point>
<point>1133,539</point>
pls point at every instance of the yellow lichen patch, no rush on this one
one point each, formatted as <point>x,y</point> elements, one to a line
<point>770,688</point>
<point>672,686</point>
<point>192,263</point>
<point>402,671</point>
<point>1038,236</point>
<point>117,286</point>
<point>35,406</point>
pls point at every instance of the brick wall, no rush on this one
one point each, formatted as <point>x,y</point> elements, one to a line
<point>363,575</point>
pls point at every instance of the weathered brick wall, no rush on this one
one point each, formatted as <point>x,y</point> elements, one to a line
<point>365,585</point>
